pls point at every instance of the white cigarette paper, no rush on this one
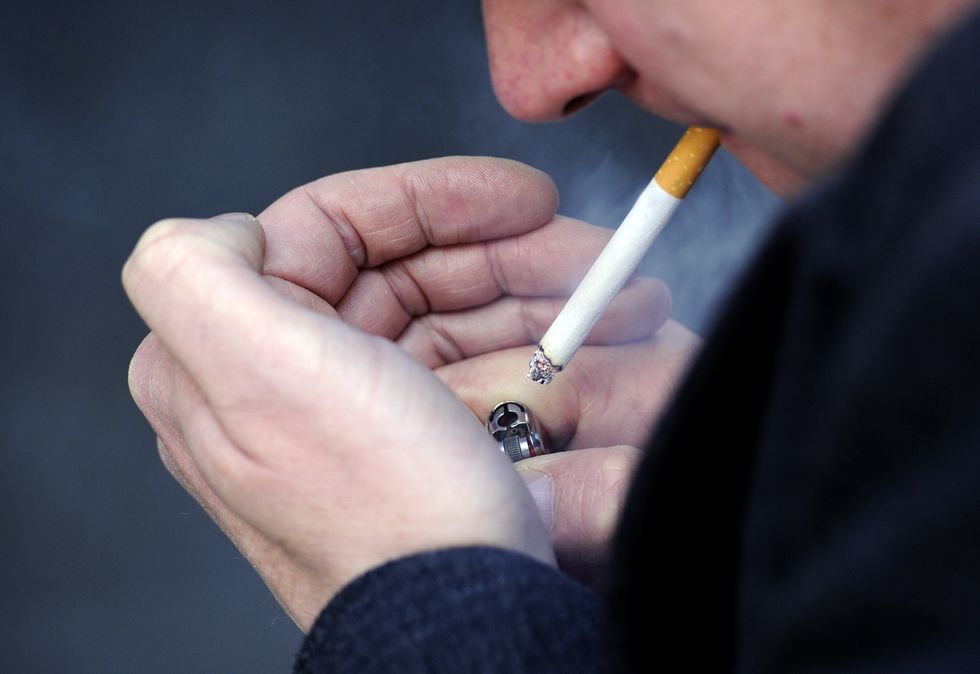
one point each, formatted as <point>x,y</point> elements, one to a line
<point>623,254</point>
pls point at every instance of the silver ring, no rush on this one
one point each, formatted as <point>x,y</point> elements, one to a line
<point>513,427</point>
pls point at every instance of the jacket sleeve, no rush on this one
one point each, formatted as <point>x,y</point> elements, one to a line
<point>458,610</point>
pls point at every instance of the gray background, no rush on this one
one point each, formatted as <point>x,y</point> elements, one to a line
<point>114,115</point>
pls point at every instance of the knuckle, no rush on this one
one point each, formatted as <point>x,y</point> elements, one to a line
<point>614,474</point>
<point>181,469</point>
<point>230,470</point>
<point>619,462</point>
<point>157,250</point>
<point>138,381</point>
<point>144,376</point>
<point>169,461</point>
<point>161,237</point>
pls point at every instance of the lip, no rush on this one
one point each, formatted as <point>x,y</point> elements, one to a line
<point>728,138</point>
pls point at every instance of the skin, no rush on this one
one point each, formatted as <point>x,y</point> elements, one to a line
<point>318,381</point>
<point>308,378</point>
<point>772,76</point>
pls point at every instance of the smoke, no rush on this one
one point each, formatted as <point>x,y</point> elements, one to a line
<point>711,238</point>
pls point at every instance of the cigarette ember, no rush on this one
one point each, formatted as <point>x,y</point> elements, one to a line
<point>623,254</point>
<point>542,370</point>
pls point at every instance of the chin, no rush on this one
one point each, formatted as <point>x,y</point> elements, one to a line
<point>777,176</point>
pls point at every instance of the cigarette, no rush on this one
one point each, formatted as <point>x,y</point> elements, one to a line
<point>623,254</point>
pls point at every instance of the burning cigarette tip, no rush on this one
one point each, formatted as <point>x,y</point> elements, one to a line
<point>541,369</point>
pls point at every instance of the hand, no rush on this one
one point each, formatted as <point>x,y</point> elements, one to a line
<point>598,411</point>
<point>320,447</point>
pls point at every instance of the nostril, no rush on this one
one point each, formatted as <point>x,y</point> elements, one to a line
<point>577,103</point>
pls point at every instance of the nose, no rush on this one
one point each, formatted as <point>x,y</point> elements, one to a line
<point>548,58</point>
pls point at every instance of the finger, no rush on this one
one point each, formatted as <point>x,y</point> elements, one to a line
<point>178,414</point>
<point>161,390</point>
<point>301,296</point>
<point>608,395</point>
<point>276,374</point>
<point>580,495</point>
<point>196,283</point>
<point>549,261</point>
<point>321,233</point>
<point>158,384</point>
<point>298,597</point>
<point>437,339</point>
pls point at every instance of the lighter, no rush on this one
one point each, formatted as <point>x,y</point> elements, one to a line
<point>513,427</point>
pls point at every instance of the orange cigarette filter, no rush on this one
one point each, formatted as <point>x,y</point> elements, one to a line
<point>684,164</point>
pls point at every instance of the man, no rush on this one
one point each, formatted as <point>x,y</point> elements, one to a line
<point>810,500</point>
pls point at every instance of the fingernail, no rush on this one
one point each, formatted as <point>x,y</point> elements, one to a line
<point>235,217</point>
<point>542,490</point>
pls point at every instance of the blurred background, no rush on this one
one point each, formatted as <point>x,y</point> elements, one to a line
<point>114,115</point>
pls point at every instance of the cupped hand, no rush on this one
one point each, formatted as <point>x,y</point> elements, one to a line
<point>597,413</point>
<point>289,372</point>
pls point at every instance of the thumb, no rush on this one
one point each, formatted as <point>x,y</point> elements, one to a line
<point>579,495</point>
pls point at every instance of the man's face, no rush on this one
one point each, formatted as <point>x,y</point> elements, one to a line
<point>756,69</point>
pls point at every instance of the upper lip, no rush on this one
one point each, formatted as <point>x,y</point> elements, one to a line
<point>668,108</point>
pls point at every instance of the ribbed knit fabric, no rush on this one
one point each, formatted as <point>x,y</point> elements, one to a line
<point>463,610</point>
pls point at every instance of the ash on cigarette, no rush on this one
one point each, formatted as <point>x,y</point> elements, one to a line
<point>541,369</point>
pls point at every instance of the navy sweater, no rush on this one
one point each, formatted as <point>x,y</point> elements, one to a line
<point>811,501</point>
